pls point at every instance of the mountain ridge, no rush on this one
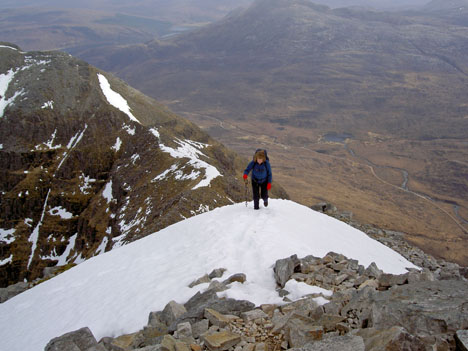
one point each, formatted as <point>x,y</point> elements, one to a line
<point>81,174</point>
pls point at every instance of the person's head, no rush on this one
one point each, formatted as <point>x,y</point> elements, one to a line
<point>260,156</point>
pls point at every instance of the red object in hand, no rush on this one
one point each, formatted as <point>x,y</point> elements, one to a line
<point>269,186</point>
<point>245,176</point>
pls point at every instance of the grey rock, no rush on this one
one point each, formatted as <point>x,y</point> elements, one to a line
<point>153,335</point>
<point>217,273</point>
<point>461,338</point>
<point>329,321</point>
<point>303,305</point>
<point>300,330</point>
<point>424,309</point>
<point>168,343</point>
<point>217,286</point>
<point>424,275</point>
<point>335,343</point>
<point>79,340</point>
<point>221,341</point>
<point>12,290</point>
<point>184,330</point>
<point>200,328</point>
<point>199,302</point>
<point>284,268</point>
<point>201,299</point>
<point>172,312</point>
<point>332,308</point>
<point>373,271</point>
<point>154,318</point>
<point>201,280</point>
<point>395,338</point>
<point>387,280</point>
<point>253,315</point>
<point>218,319</point>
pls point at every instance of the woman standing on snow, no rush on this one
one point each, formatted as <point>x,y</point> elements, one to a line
<point>261,177</point>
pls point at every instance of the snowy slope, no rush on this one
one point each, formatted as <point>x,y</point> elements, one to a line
<point>113,293</point>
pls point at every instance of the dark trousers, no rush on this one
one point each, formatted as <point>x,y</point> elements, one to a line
<point>259,190</point>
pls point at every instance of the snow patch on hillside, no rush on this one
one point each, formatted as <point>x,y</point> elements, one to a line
<point>115,99</point>
<point>5,80</point>
<point>190,149</point>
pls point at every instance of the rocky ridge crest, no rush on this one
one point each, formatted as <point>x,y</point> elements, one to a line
<point>366,310</point>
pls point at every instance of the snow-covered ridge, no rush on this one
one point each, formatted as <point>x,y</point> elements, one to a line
<point>113,293</point>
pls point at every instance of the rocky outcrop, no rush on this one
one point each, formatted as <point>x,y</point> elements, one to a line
<point>367,310</point>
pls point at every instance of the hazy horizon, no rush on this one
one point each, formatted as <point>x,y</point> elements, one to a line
<point>133,6</point>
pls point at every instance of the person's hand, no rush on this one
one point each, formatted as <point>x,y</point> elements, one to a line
<point>268,186</point>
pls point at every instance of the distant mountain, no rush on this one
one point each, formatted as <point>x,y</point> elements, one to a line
<point>69,26</point>
<point>89,164</point>
<point>280,53</point>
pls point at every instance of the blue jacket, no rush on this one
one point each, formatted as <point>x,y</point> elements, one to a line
<point>260,173</point>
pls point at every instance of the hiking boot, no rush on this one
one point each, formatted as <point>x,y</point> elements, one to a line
<point>265,203</point>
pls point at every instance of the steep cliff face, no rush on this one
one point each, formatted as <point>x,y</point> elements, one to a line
<point>88,164</point>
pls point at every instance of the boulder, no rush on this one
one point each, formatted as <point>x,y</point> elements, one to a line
<point>284,268</point>
<point>79,340</point>
<point>172,312</point>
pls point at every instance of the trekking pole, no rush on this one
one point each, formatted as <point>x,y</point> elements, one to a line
<point>246,192</point>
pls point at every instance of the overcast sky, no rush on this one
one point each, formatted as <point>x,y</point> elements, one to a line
<point>103,4</point>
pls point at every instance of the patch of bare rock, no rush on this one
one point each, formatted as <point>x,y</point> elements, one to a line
<point>368,310</point>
